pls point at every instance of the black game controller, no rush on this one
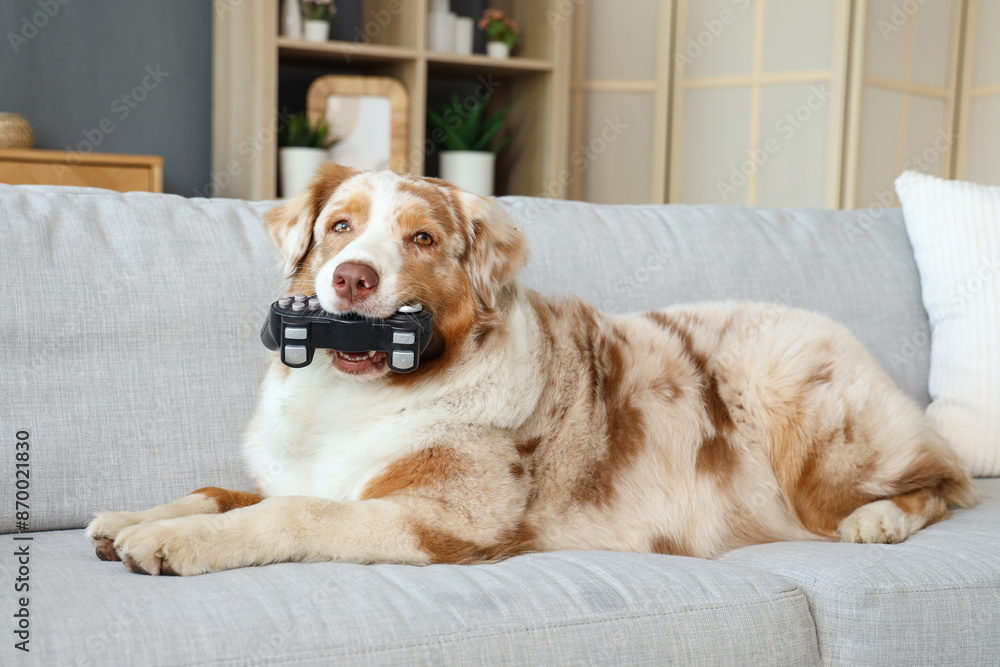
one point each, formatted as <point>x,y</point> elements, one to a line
<point>298,325</point>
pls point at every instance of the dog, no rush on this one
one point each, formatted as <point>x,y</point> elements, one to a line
<point>537,424</point>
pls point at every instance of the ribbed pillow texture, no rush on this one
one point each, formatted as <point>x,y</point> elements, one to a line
<point>954,227</point>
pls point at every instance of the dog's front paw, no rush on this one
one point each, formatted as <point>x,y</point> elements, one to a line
<point>880,522</point>
<point>182,546</point>
<point>105,527</point>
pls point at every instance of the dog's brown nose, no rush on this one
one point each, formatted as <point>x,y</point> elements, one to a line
<point>354,282</point>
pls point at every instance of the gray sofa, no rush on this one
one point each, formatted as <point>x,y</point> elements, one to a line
<point>129,352</point>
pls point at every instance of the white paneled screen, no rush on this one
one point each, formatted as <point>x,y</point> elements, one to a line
<point>758,102</point>
<point>782,102</point>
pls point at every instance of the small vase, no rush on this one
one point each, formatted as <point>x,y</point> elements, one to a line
<point>317,31</point>
<point>291,19</point>
<point>464,32</point>
<point>441,28</point>
<point>497,50</point>
<point>297,165</point>
<point>469,170</point>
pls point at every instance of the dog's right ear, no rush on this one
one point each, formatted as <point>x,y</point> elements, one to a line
<point>290,224</point>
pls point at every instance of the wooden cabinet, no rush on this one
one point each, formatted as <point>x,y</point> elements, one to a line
<point>124,173</point>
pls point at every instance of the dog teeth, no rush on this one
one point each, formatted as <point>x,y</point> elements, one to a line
<point>358,357</point>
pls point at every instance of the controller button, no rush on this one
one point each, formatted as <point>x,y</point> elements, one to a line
<point>299,298</point>
<point>284,302</point>
<point>296,333</point>
<point>298,307</point>
<point>295,354</point>
<point>404,337</point>
<point>314,302</point>
<point>402,359</point>
<point>415,308</point>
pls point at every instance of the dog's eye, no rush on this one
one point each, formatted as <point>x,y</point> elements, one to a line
<point>423,238</point>
<point>342,226</point>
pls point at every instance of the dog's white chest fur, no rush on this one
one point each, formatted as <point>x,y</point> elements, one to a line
<point>321,436</point>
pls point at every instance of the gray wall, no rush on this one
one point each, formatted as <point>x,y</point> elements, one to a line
<point>67,74</point>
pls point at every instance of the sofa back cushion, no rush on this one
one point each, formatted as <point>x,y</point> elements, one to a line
<point>129,346</point>
<point>855,266</point>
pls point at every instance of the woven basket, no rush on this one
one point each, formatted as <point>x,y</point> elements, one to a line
<point>15,131</point>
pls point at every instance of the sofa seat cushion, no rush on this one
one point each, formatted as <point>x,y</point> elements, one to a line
<point>932,600</point>
<point>554,608</point>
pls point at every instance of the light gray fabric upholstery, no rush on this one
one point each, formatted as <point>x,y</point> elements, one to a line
<point>561,608</point>
<point>129,345</point>
<point>932,600</point>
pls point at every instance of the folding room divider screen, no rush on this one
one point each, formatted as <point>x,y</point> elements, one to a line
<point>781,102</point>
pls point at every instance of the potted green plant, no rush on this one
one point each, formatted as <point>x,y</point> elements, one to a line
<point>303,147</point>
<point>317,25</point>
<point>471,142</point>
<point>502,33</point>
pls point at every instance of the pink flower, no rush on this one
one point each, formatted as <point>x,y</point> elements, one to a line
<point>490,15</point>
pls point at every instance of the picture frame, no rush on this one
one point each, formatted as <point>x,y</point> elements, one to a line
<point>369,117</point>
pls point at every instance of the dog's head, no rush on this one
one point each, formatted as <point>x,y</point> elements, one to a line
<point>369,242</point>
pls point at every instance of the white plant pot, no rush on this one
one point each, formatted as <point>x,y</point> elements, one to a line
<point>297,166</point>
<point>316,31</point>
<point>469,170</point>
<point>497,50</point>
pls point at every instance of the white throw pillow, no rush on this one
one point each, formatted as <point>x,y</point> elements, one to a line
<point>955,231</point>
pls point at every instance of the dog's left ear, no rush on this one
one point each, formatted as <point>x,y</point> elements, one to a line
<point>499,249</point>
<point>290,224</point>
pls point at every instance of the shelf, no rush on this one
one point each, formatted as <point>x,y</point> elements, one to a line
<point>438,63</point>
<point>344,52</point>
<point>253,67</point>
<point>453,63</point>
